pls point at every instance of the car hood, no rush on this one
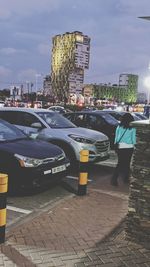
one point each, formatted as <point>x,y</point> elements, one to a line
<point>87,133</point>
<point>31,148</point>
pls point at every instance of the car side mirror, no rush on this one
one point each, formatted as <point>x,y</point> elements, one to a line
<point>37,125</point>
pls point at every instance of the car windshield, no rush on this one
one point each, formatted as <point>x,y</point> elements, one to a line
<point>141,116</point>
<point>116,115</point>
<point>55,120</point>
<point>109,119</point>
<point>9,132</point>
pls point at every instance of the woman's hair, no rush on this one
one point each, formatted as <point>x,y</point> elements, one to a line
<point>126,119</point>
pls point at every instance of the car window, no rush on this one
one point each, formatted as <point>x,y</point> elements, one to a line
<point>55,120</point>
<point>10,116</point>
<point>95,121</point>
<point>109,119</point>
<point>69,116</point>
<point>91,119</point>
<point>79,120</point>
<point>136,118</point>
<point>19,118</point>
<point>116,115</point>
<point>141,116</point>
<point>9,132</point>
<point>26,119</point>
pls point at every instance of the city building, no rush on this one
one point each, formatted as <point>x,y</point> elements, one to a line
<point>16,93</point>
<point>70,58</point>
<point>47,86</point>
<point>125,91</point>
<point>130,83</point>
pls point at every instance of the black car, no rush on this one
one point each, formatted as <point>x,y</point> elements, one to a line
<point>118,115</point>
<point>96,120</point>
<point>29,162</point>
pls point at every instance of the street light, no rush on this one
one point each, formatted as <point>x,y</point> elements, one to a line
<point>147,84</point>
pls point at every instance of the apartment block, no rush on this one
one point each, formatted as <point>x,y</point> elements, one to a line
<point>70,58</point>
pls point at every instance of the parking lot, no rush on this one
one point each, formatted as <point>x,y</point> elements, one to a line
<point>20,207</point>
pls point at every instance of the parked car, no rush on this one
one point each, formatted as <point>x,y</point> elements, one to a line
<point>29,162</point>
<point>58,109</point>
<point>2,103</point>
<point>53,127</point>
<point>118,115</point>
<point>140,115</point>
<point>96,120</point>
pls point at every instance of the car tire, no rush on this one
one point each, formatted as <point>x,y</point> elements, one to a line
<point>70,154</point>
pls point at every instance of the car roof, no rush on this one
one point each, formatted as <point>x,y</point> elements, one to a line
<point>56,107</point>
<point>90,111</point>
<point>30,110</point>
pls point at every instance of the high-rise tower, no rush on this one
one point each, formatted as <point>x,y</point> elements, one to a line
<point>70,57</point>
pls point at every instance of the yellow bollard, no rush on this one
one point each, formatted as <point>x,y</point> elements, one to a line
<point>3,192</point>
<point>83,175</point>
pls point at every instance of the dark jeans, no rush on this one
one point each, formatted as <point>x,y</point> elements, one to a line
<point>123,165</point>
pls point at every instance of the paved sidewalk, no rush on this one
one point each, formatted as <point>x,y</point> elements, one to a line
<point>77,232</point>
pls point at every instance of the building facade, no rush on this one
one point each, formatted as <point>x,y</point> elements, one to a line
<point>125,91</point>
<point>70,58</point>
<point>16,92</point>
<point>129,82</point>
<point>47,86</point>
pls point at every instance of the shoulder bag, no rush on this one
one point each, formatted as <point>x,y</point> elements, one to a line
<point>116,145</point>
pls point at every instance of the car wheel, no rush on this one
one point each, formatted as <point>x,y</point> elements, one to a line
<point>70,154</point>
<point>74,164</point>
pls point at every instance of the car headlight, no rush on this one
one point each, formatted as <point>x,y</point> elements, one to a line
<point>27,162</point>
<point>81,139</point>
<point>61,156</point>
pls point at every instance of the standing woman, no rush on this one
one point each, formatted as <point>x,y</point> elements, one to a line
<point>125,137</point>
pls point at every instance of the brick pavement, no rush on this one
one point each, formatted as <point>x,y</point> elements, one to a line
<point>77,232</point>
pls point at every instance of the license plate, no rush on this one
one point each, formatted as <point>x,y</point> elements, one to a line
<point>59,169</point>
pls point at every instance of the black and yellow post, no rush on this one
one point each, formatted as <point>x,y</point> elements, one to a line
<point>83,175</point>
<point>3,195</point>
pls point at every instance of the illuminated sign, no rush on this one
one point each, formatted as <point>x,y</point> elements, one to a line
<point>79,38</point>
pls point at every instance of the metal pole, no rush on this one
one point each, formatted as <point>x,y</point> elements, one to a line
<point>3,192</point>
<point>83,175</point>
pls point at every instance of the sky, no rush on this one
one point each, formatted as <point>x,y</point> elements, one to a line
<point>120,41</point>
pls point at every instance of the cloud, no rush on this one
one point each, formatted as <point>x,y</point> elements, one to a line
<point>27,8</point>
<point>132,7</point>
<point>27,35</point>
<point>44,49</point>
<point>8,51</point>
<point>119,39</point>
<point>4,72</point>
<point>27,75</point>
<point>4,13</point>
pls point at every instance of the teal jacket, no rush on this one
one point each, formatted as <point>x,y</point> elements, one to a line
<point>129,137</point>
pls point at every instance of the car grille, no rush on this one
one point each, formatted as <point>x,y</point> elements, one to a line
<point>102,146</point>
<point>53,159</point>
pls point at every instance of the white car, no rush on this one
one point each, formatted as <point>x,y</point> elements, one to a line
<point>58,109</point>
<point>53,127</point>
<point>2,103</point>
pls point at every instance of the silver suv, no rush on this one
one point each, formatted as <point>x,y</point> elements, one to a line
<point>53,127</point>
